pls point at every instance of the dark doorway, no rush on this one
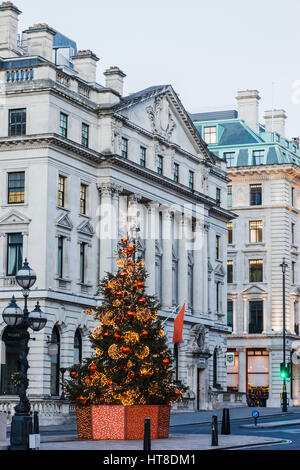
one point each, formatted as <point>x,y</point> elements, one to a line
<point>198,388</point>
<point>10,367</point>
<point>55,363</point>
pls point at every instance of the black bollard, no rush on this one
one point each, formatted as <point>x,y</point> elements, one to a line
<point>36,426</point>
<point>214,431</point>
<point>147,434</point>
<point>228,421</point>
<point>225,421</point>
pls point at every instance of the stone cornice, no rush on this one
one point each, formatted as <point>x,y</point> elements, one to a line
<point>50,140</point>
<point>264,171</point>
<point>192,196</point>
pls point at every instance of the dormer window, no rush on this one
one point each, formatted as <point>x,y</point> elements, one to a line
<point>210,135</point>
<point>258,157</point>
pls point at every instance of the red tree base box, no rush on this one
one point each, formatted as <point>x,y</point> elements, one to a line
<point>103,422</point>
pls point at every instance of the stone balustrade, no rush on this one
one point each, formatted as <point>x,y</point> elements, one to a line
<point>221,399</point>
<point>51,412</point>
<point>7,282</point>
<point>19,75</point>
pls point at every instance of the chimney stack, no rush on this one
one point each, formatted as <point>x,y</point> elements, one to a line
<point>38,40</point>
<point>248,108</point>
<point>9,18</point>
<point>115,79</point>
<point>85,63</point>
<point>275,121</point>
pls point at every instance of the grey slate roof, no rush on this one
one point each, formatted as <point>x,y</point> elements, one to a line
<point>139,96</point>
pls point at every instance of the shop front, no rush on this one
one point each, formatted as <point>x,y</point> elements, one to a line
<point>248,371</point>
<point>257,377</point>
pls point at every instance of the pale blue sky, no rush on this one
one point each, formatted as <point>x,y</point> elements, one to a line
<point>206,49</point>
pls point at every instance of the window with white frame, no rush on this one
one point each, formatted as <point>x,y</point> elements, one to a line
<point>210,134</point>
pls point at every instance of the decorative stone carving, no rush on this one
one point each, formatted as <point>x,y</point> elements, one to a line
<point>197,344</point>
<point>161,118</point>
<point>116,129</point>
<point>204,179</point>
<point>109,188</point>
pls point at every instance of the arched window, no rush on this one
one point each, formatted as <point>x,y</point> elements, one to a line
<point>77,347</point>
<point>55,363</point>
<point>215,368</point>
<point>9,365</point>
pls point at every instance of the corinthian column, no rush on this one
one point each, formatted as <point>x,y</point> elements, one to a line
<point>182,262</point>
<point>200,270</point>
<point>107,228</point>
<point>166,259</point>
<point>150,236</point>
<point>205,268</point>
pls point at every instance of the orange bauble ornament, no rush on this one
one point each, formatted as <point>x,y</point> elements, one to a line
<point>120,293</point>
<point>130,262</point>
<point>140,284</point>
<point>124,241</point>
<point>81,400</point>
<point>73,375</point>
<point>142,300</point>
<point>123,273</point>
<point>92,368</point>
<point>126,351</point>
<point>130,250</point>
<point>107,333</point>
<point>117,336</point>
<point>177,392</point>
<point>145,333</point>
<point>130,315</point>
<point>166,362</point>
<point>117,319</point>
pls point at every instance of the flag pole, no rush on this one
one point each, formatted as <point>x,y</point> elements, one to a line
<point>172,313</point>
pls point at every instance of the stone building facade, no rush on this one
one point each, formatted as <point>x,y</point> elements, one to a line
<point>81,165</point>
<point>264,169</point>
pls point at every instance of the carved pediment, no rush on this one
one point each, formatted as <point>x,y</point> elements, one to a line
<point>161,118</point>
<point>85,228</point>
<point>254,290</point>
<point>65,222</point>
<point>14,217</point>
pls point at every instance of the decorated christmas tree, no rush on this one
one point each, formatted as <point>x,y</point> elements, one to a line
<point>131,363</point>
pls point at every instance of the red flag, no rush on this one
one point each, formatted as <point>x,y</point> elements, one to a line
<point>178,326</point>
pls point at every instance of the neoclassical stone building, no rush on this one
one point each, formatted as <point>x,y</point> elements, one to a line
<point>264,169</point>
<point>81,165</point>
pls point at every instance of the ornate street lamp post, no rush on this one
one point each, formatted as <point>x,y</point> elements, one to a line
<point>284,265</point>
<point>19,322</point>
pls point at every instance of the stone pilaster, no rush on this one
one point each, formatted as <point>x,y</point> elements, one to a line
<point>182,263</point>
<point>242,369</point>
<point>108,228</point>
<point>200,273</point>
<point>150,236</point>
<point>166,259</point>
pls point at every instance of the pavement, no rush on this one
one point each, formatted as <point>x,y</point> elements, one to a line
<point>174,442</point>
<point>64,437</point>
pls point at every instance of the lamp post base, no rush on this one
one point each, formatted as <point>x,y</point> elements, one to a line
<point>21,427</point>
